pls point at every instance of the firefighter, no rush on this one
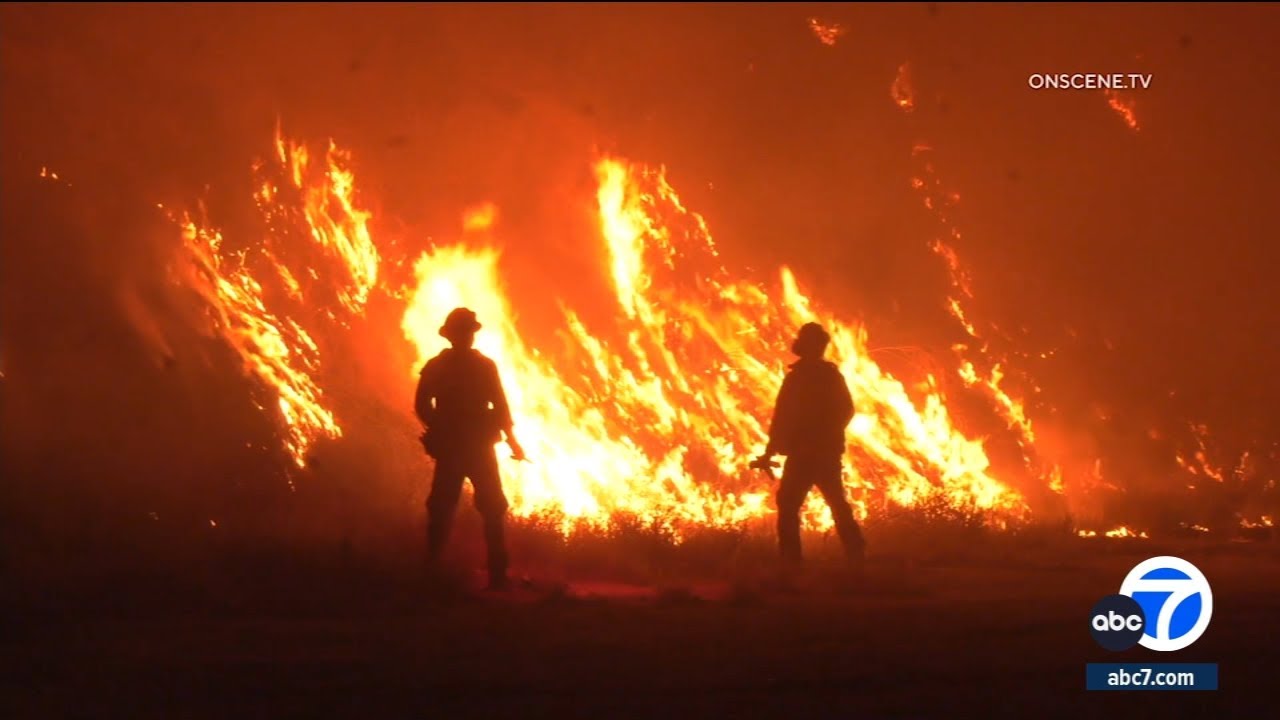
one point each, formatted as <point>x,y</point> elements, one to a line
<point>813,409</point>
<point>461,403</point>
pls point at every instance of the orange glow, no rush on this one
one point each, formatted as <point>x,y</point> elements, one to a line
<point>480,218</point>
<point>902,92</point>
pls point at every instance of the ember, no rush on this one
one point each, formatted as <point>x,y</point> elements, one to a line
<point>826,32</point>
<point>1125,106</point>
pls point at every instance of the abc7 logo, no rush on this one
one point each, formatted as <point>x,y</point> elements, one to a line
<point>1164,604</point>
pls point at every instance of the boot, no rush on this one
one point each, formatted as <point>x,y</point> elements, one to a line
<point>495,542</point>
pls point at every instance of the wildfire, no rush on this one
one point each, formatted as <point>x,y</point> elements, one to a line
<point>653,415</point>
<point>659,414</point>
<point>826,32</point>
<point>255,298</point>
<point>1124,106</point>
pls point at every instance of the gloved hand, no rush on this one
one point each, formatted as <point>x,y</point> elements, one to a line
<point>763,462</point>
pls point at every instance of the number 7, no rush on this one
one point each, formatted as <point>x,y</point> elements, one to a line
<point>1171,603</point>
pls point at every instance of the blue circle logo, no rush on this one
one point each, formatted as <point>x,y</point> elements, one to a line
<point>1176,602</point>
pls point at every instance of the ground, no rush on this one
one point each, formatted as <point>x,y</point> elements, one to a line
<point>1000,632</point>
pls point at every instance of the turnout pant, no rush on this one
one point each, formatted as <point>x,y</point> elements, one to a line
<point>799,476</point>
<point>479,465</point>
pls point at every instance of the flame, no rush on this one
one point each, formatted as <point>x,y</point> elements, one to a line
<point>1117,533</point>
<point>826,32</point>
<point>1055,480</point>
<point>1125,106</point>
<point>1197,462</point>
<point>1264,521</point>
<point>657,416</point>
<point>580,467</point>
<point>277,351</point>
<point>980,367</point>
<point>291,284</point>
<point>325,200</point>
<point>255,298</point>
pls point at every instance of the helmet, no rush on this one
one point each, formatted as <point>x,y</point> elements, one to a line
<point>811,341</point>
<point>461,321</point>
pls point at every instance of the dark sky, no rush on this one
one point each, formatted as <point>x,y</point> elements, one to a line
<point>1161,241</point>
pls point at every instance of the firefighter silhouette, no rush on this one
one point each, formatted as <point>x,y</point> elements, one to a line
<point>461,403</point>
<point>809,419</point>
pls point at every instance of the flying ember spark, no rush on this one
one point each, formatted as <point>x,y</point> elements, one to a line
<point>826,32</point>
<point>1125,106</point>
<point>902,91</point>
